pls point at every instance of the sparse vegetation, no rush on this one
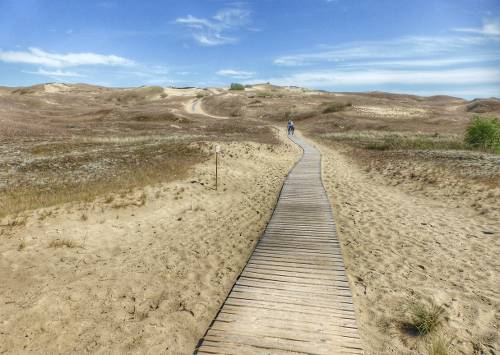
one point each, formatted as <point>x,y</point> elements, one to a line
<point>116,167</point>
<point>424,318</point>
<point>59,243</point>
<point>438,345</point>
<point>376,140</point>
<point>484,133</point>
<point>21,245</point>
<point>336,107</point>
<point>263,94</point>
<point>158,117</point>
<point>236,86</point>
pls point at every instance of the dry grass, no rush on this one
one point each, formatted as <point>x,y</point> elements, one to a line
<point>336,107</point>
<point>60,243</point>
<point>438,345</point>
<point>65,178</point>
<point>86,141</point>
<point>424,318</point>
<point>376,140</point>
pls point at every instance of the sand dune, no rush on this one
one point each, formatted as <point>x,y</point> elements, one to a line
<point>139,273</point>
<point>401,247</point>
<point>145,271</point>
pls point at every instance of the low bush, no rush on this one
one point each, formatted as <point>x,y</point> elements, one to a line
<point>236,86</point>
<point>484,133</point>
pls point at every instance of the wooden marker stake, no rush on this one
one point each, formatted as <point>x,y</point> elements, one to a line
<point>217,150</point>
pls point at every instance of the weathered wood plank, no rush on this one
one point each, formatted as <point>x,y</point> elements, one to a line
<point>293,296</point>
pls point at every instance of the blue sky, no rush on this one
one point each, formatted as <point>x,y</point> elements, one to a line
<point>425,47</point>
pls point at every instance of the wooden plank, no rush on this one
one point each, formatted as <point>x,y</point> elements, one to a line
<point>291,277</point>
<point>293,296</point>
<point>288,305</point>
<point>286,344</point>
<point>282,332</point>
<point>264,294</point>
<point>237,320</point>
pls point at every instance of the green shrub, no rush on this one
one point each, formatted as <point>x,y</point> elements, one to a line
<point>236,86</point>
<point>484,133</point>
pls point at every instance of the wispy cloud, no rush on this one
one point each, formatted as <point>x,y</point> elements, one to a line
<point>56,60</point>
<point>338,78</point>
<point>56,73</point>
<point>236,74</point>
<point>406,47</point>
<point>489,28</point>
<point>425,62</point>
<point>216,30</point>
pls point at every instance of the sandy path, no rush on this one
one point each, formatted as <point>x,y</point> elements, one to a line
<point>148,270</point>
<point>399,247</point>
<point>195,106</point>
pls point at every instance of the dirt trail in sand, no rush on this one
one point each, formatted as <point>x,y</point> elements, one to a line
<point>195,106</point>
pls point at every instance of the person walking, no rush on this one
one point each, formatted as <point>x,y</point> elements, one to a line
<point>289,127</point>
<point>292,127</point>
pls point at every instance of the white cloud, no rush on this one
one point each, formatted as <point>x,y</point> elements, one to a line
<point>194,22</point>
<point>489,28</point>
<point>233,17</point>
<point>406,47</point>
<point>236,74</point>
<point>338,78</point>
<point>56,73</point>
<point>426,62</point>
<point>212,39</point>
<point>213,32</point>
<point>40,57</point>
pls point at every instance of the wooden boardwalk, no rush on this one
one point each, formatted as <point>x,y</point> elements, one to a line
<point>293,296</point>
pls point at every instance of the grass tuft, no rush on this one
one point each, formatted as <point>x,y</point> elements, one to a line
<point>424,318</point>
<point>438,345</point>
<point>59,243</point>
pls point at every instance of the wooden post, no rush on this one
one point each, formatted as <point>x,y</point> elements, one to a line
<point>217,150</point>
